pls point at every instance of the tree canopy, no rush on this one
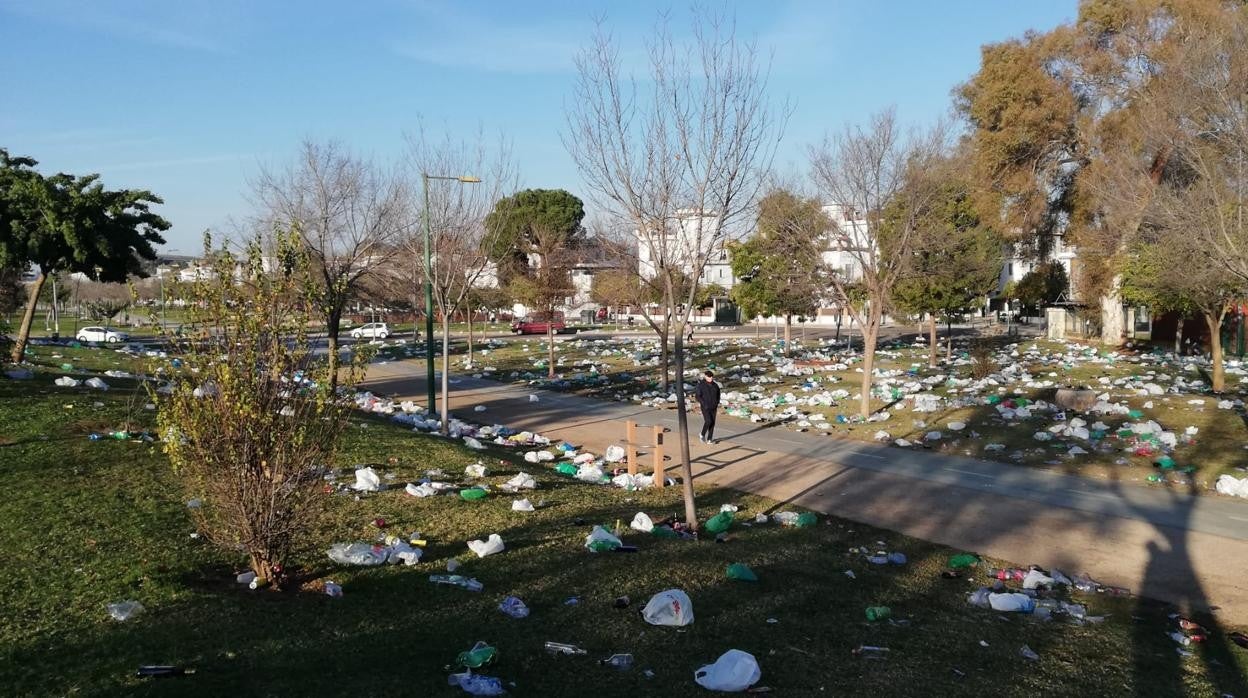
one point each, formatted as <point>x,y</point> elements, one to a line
<point>781,268</point>
<point>518,221</point>
<point>71,223</point>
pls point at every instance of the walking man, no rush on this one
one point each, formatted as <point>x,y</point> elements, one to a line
<point>707,394</point>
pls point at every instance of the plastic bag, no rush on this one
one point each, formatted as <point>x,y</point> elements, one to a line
<point>733,672</point>
<point>671,607</point>
<point>642,522</point>
<point>476,684</point>
<point>494,544</point>
<point>522,505</point>
<point>614,454</point>
<point>124,610</point>
<point>589,473</point>
<point>96,383</point>
<point>366,480</point>
<point>600,540</point>
<point>741,572</point>
<point>475,470</point>
<point>720,522</point>
<point>67,382</point>
<point>473,444</point>
<point>522,481</point>
<point>1012,603</point>
<point>357,554</point>
<point>1036,578</point>
<point>514,607</point>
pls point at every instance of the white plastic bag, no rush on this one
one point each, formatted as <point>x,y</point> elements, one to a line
<point>475,470</point>
<point>671,607</point>
<point>67,382</point>
<point>614,454</point>
<point>473,444</point>
<point>357,554</point>
<point>1235,487</point>
<point>522,481</point>
<point>522,505</point>
<point>600,534</point>
<point>124,610</point>
<point>642,522</point>
<point>1036,578</point>
<point>1012,603</point>
<point>733,672</point>
<point>487,547</point>
<point>96,383</point>
<point>366,480</point>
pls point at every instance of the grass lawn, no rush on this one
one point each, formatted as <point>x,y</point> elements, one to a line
<point>627,370</point>
<point>85,523</point>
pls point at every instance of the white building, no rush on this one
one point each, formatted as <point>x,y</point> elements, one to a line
<point>848,241</point>
<point>693,238</point>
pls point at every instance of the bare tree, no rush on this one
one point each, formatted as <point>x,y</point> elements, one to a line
<point>457,207</point>
<point>346,209</point>
<point>681,162</point>
<point>863,171</point>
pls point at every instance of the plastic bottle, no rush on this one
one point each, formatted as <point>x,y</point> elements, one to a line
<point>95,437</point>
<point>870,652</point>
<point>1006,574</point>
<point>561,648</point>
<point>875,613</point>
<point>623,662</point>
<point>457,580</point>
<point>161,671</point>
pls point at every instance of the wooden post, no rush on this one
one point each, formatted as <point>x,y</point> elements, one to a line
<point>630,445</point>
<point>660,477</point>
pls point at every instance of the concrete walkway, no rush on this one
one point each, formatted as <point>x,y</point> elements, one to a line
<point>1165,544</point>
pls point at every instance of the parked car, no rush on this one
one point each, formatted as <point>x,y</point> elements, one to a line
<point>101,334</point>
<point>539,323</point>
<point>372,330</point>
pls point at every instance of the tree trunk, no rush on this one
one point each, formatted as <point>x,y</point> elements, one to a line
<point>333,321</point>
<point>1178,338</point>
<point>788,333</point>
<point>870,332</point>
<point>931,333</point>
<point>949,343</point>
<point>265,569</point>
<point>839,317</point>
<point>1112,328</point>
<point>682,432</point>
<point>665,358</point>
<point>1217,373</point>
<point>470,317</point>
<point>445,407</point>
<point>550,346</point>
<point>23,333</point>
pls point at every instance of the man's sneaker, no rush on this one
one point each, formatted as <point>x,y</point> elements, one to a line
<point>711,441</point>
<point>701,438</point>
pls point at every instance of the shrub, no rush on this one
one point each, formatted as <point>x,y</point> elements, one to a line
<point>982,362</point>
<point>248,418</point>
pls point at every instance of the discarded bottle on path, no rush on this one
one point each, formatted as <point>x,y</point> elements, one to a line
<point>1007,574</point>
<point>457,580</point>
<point>161,671</point>
<point>622,662</point>
<point>561,648</point>
<point>870,652</point>
<point>875,613</point>
<point>477,685</point>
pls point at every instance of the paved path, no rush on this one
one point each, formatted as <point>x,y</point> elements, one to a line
<point>1162,543</point>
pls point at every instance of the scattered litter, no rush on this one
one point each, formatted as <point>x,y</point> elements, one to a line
<point>494,544</point>
<point>514,607</point>
<point>522,505</point>
<point>733,672</point>
<point>671,607</point>
<point>124,610</point>
<point>366,480</point>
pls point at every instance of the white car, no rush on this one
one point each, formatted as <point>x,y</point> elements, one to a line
<point>373,330</point>
<point>101,334</point>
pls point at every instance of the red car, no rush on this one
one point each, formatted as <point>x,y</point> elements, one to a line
<point>539,323</point>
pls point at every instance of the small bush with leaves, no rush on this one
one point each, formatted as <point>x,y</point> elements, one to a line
<point>982,362</point>
<point>248,415</point>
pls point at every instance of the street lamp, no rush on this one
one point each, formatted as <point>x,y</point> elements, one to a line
<point>463,179</point>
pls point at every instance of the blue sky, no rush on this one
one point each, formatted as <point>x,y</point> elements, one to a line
<point>189,99</point>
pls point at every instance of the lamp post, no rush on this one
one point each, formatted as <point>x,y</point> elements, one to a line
<point>425,177</point>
